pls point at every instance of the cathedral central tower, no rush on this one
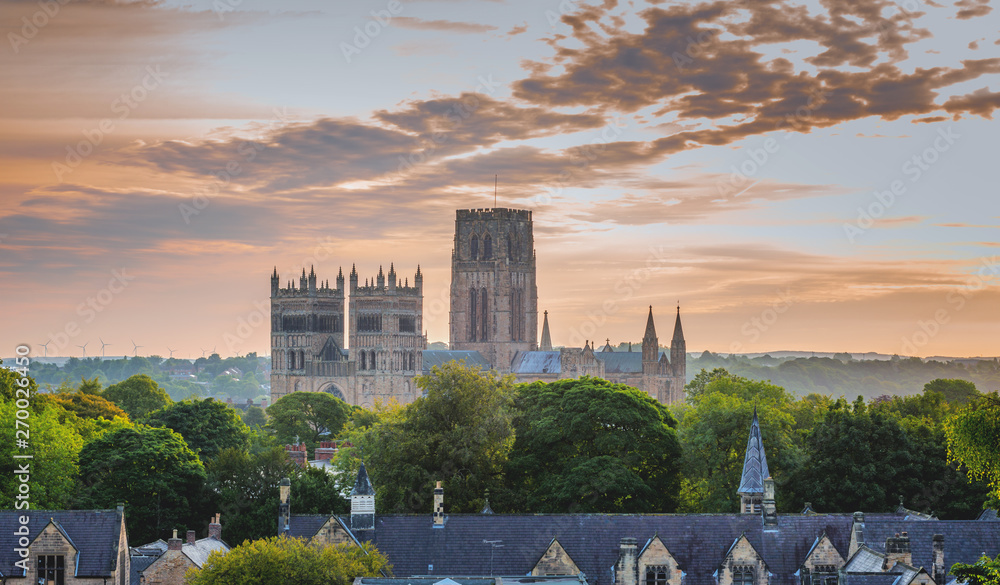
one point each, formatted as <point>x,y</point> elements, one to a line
<point>494,299</point>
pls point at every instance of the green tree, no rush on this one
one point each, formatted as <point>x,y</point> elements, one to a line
<point>87,405</point>
<point>55,450</point>
<point>986,571</point>
<point>11,382</point>
<point>207,426</point>
<point>307,416</point>
<point>152,471</point>
<point>974,439</point>
<point>588,445</point>
<point>138,396</point>
<point>91,386</point>
<point>317,492</point>
<point>290,560</point>
<point>713,430</point>
<point>254,417</point>
<point>459,432</point>
<point>244,487</point>
<point>956,392</point>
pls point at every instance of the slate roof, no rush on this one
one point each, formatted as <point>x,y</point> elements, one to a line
<point>536,362</point>
<point>305,525</point>
<point>754,462</point>
<point>865,560</point>
<point>988,514</point>
<point>439,357</point>
<point>95,533</point>
<point>138,564</point>
<point>870,578</point>
<point>621,362</point>
<point>964,540</point>
<point>698,542</point>
<point>426,581</point>
<point>199,551</point>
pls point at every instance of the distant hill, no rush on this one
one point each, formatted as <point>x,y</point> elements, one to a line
<point>850,377</point>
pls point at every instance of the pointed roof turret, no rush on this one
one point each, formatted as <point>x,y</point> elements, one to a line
<point>607,346</point>
<point>354,269</point>
<point>650,328</point>
<point>678,331</point>
<point>363,485</point>
<point>546,344</point>
<point>754,462</point>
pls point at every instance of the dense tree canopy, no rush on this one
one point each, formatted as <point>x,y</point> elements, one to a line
<point>152,471</point>
<point>985,571</point>
<point>138,396</point>
<point>588,445</point>
<point>974,439</point>
<point>307,417</point>
<point>955,391</point>
<point>207,426</point>
<point>88,405</point>
<point>55,449</point>
<point>290,560</point>
<point>459,433</point>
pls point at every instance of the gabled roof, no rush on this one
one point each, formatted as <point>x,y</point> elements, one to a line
<point>865,560</point>
<point>623,362</point>
<point>963,539</point>
<point>305,525</point>
<point>199,551</point>
<point>95,533</point>
<point>754,462</point>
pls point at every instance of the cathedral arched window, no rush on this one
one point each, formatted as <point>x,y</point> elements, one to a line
<point>473,314</point>
<point>371,360</point>
<point>364,361</point>
<point>474,247</point>
<point>487,247</point>
<point>484,328</point>
<point>743,576</point>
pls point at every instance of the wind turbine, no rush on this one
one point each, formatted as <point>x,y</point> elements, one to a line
<point>171,352</point>
<point>45,348</point>
<point>135,348</point>
<point>84,348</point>
<point>103,345</point>
<point>203,350</point>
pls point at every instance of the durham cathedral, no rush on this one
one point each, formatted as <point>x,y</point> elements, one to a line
<point>493,325</point>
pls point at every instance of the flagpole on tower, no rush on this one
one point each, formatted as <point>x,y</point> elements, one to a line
<point>495,179</point>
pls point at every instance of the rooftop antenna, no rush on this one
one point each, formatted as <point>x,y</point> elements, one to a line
<point>496,178</point>
<point>45,348</point>
<point>103,345</point>
<point>84,348</point>
<point>494,544</point>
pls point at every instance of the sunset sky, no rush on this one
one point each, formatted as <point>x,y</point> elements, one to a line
<point>799,176</point>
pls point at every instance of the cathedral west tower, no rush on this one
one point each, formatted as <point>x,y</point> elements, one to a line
<point>494,299</point>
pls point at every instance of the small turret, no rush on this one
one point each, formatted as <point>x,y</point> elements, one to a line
<point>275,282</point>
<point>312,279</point>
<point>650,347</point>
<point>362,502</point>
<point>678,349</point>
<point>303,280</point>
<point>381,278</point>
<point>546,344</point>
<point>354,277</point>
<point>751,490</point>
<point>392,277</point>
<point>340,278</point>
<point>418,280</point>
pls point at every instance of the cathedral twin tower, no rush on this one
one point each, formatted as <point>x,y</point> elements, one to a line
<point>493,323</point>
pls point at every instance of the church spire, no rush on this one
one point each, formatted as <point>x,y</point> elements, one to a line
<point>650,328</point>
<point>678,331</point>
<point>751,490</point>
<point>546,344</point>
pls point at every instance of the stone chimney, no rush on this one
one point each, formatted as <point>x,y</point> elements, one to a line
<point>626,569</point>
<point>768,510</point>
<point>438,506</point>
<point>940,570</point>
<point>897,550</point>
<point>174,543</point>
<point>190,537</point>
<point>215,528</point>
<point>326,450</point>
<point>284,505</point>
<point>297,453</point>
